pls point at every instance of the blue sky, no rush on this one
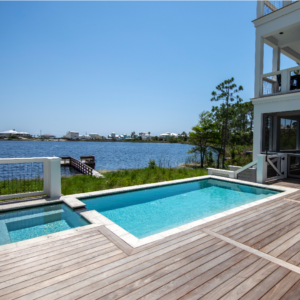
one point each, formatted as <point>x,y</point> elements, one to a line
<point>120,66</point>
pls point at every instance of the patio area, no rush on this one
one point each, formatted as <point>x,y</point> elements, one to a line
<point>252,254</point>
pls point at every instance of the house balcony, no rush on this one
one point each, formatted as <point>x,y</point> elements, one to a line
<point>268,7</point>
<point>280,82</point>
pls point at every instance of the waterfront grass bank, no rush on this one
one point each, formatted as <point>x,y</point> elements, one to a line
<point>123,178</point>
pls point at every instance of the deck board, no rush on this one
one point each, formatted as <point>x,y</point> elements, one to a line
<point>198,263</point>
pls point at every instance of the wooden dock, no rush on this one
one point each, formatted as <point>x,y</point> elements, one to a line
<point>252,254</point>
<point>85,165</point>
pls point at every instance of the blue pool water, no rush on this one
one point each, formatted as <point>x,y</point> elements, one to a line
<point>150,211</point>
<point>23,224</point>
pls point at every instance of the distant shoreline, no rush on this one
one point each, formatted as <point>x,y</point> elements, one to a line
<point>92,141</point>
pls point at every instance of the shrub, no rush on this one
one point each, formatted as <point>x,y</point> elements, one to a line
<point>152,164</point>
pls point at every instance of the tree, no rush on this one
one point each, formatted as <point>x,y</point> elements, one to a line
<point>202,135</point>
<point>226,91</point>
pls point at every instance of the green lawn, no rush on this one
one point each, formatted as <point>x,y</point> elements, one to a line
<point>123,178</point>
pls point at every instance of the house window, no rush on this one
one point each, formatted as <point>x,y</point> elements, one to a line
<point>288,134</point>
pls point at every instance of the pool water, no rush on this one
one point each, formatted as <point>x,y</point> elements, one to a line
<point>23,224</point>
<point>150,211</point>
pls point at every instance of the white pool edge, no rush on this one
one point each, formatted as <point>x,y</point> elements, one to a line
<point>95,217</point>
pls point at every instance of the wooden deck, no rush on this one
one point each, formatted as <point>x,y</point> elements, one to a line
<point>253,254</point>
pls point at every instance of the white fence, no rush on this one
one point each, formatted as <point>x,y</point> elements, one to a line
<point>268,167</point>
<point>14,173</point>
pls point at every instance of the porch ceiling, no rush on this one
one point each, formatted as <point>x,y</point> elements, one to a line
<point>288,41</point>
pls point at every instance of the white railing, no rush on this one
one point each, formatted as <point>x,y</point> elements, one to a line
<point>265,7</point>
<point>25,177</point>
<point>268,167</point>
<point>281,82</point>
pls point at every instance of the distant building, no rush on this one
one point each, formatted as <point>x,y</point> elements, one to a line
<point>48,136</point>
<point>145,136</point>
<point>72,135</point>
<point>9,133</point>
<point>84,137</point>
<point>166,135</point>
<point>114,136</point>
<point>96,136</point>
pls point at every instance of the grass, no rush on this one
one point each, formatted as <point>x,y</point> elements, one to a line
<point>16,186</point>
<point>123,178</point>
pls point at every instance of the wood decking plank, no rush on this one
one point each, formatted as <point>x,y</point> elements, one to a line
<point>133,271</point>
<point>170,240</point>
<point>271,229</point>
<point>278,242</point>
<point>286,245</point>
<point>48,266</point>
<point>56,250</point>
<point>202,289</point>
<point>155,281</point>
<point>85,263</point>
<point>43,274</point>
<point>254,231</point>
<point>77,276</point>
<point>234,281</point>
<point>242,215</point>
<point>49,263</point>
<point>282,287</point>
<point>293,293</point>
<point>290,252</point>
<point>273,234</point>
<point>257,222</point>
<point>137,281</point>
<point>236,262</point>
<point>256,217</point>
<point>51,239</point>
<point>46,246</point>
<point>262,287</point>
<point>36,260</point>
<point>295,260</point>
<point>248,284</point>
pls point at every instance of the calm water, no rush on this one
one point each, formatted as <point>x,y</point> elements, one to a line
<point>110,156</point>
<point>150,211</point>
<point>23,224</point>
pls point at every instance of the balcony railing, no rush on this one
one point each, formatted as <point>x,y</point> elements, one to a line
<point>284,81</point>
<point>273,5</point>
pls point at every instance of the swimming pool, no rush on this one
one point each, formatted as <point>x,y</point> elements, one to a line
<point>150,211</point>
<point>23,224</point>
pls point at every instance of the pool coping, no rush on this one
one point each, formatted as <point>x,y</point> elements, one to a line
<point>97,219</point>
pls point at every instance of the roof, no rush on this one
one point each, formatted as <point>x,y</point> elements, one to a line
<point>14,132</point>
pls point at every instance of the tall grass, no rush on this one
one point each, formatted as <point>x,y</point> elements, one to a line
<point>123,178</point>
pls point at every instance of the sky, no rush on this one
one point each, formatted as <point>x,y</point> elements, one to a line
<point>102,67</point>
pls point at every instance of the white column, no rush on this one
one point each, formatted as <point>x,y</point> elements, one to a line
<point>259,8</point>
<point>259,64</point>
<point>285,81</point>
<point>276,59</point>
<point>257,131</point>
<point>261,170</point>
<point>52,177</point>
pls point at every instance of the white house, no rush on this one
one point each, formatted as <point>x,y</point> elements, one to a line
<point>96,136</point>
<point>166,135</point>
<point>72,135</point>
<point>145,136</point>
<point>114,136</point>
<point>13,132</point>
<point>277,94</point>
